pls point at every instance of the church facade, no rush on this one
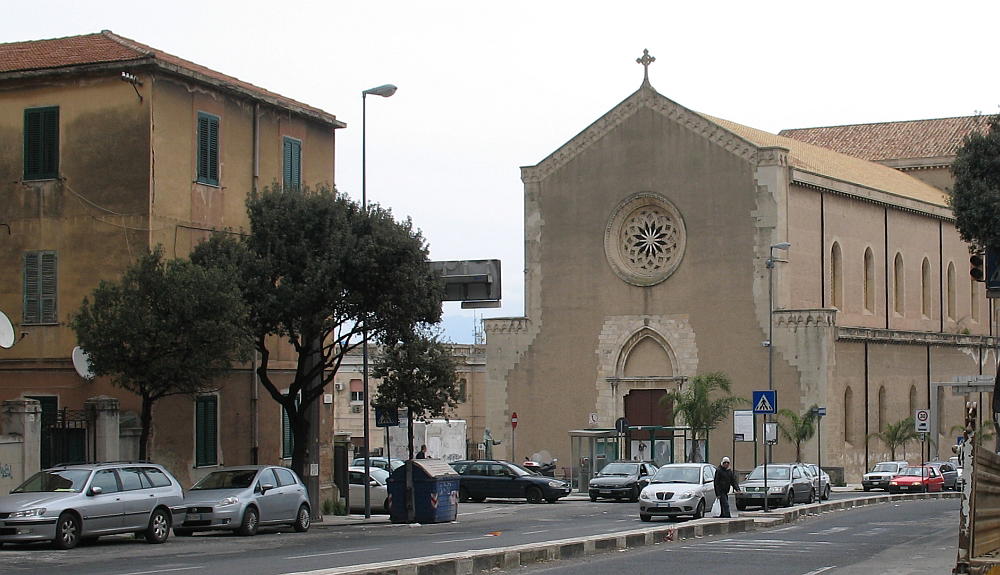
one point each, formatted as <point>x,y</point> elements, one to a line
<point>647,238</point>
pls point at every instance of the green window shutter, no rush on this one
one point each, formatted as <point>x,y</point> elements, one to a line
<point>291,174</point>
<point>206,430</point>
<point>48,287</point>
<point>41,143</point>
<point>287,443</point>
<point>32,289</point>
<point>208,149</point>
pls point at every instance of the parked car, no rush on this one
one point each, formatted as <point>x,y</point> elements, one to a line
<point>621,479</point>
<point>787,483</point>
<point>67,504</point>
<point>242,499</point>
<point>919,478</point>
<point>379,493</point>
<point>679,489</point>
<point>491,478</point>
<point>948,472</point>
<point>954,460</point>
<point>821,480</point>
<point>389,465</point>
<point>879,476</point>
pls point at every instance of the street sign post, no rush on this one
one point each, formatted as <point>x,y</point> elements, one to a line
<point>513,426</point>
<point>922,420</point>
<point>765,401</point>
<point>386,417</point>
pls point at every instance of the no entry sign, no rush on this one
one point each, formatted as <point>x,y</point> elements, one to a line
<point>513,420</point>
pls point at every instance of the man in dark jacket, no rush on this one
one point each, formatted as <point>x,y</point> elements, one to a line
<point>724,479</point>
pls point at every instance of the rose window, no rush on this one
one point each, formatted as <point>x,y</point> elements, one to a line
<point>644,241</point>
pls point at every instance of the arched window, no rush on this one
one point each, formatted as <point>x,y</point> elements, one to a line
<point>869,281</point>
<point>848,415</point>
<point>897,284</point>
<point>836,277</point>
<point>951,291</point>
<point>925,287</point>
<point>941,413</point>
<point>881,409</point>
<point>974,297</point>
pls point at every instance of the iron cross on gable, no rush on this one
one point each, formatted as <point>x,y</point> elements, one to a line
<point>645,60</point>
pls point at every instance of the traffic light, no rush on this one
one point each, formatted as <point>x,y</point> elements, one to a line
<point>977,267</point>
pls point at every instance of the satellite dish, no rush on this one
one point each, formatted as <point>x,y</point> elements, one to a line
<point>6,332</point>
<point>81,362</point>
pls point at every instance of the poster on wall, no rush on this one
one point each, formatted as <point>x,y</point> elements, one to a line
<point>743,425</point>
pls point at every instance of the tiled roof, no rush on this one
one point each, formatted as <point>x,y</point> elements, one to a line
<point>826,162</point>
<point>107,47</point>
<point>893,140</point>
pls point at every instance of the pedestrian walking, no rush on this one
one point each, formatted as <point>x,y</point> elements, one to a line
<point>725,478</point>
<point>422,454</point>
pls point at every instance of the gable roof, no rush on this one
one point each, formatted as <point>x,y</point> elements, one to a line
<point>825,162</point>
<point>63,55</point>
<point>881,141</point>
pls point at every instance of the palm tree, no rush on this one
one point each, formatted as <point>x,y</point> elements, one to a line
<point>897,434</point>
<point>696,407</point>
<point>797,428</point>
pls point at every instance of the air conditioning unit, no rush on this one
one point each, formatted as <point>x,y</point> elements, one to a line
<point>338,387</point>
<point>355,409</point>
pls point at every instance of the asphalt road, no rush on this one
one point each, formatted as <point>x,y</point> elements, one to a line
<point>273,551</point>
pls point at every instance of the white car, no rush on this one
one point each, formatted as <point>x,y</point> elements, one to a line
<point>379,492</point>
<point>679,489</point>
<point>879,476</point>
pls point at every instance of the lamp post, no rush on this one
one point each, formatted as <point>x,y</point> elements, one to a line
<point>385,91</point>
<point>770,322</point>
<point>818,413</point>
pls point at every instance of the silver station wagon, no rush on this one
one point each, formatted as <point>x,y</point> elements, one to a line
<point>241,499</point>
<point>70,503</point>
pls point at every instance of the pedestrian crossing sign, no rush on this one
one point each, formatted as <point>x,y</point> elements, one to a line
<point>765,401</point>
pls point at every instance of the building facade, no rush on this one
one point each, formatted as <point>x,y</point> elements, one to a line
<point>647,238</point>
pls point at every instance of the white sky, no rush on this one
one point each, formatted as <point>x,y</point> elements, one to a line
<point>485,88</point>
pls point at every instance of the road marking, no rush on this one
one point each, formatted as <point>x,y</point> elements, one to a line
<point>534,532</point>
<point>461,540</point>
<point>820,570</point>
<point>163,570</point>
<point>332,553</point>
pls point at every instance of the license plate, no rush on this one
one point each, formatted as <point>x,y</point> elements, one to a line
<point>663,505</point>
<point>194,516</point>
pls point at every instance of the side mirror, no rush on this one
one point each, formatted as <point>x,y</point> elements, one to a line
<point>266,487</point>
<point>95,490</point>
<point>374,483</point>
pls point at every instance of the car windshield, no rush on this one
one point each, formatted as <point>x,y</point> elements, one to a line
<point>678,475</point>
<point>55,480</point>
<point>228,479</point>
<point>773,472</point>
<point>916,471</point>
<point>620,469</point>
<point>520,471</point>
<point>890,467</point>
<point>379,474</point>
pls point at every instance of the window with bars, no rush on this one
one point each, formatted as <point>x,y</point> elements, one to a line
<point>40,285</point>
<point>291,163</point>
<point>208,149</point>
<point>206,426</point>
<point>41,143</point>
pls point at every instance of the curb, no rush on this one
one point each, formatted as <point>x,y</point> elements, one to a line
<point>472,562</point>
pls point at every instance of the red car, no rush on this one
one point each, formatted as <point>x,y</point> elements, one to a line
<point>917,480</point>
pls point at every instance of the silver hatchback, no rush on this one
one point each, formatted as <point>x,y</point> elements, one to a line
<point>241,499</point>
<point>69,503</point>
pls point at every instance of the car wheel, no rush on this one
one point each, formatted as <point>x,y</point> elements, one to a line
<point>812,496</point>
<point>159,527</point>
<point>251,520</point>
<point>826,492</point>
<point>645,516</point>
<point>67,531</point>
<point>923,489</point>
<point>183,532</point>
<point>302,519</point>
<point>479,499</point>
<point>741,506</point>
<point>790,498</point>
<point>635,494</point>
<point>699,511</point>
<point>867,488</point>
<point>534,495</point>
<point>385,505</point>
<point>463,494</point>
<point>593,498</point>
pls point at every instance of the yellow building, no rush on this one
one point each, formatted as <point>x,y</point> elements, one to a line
<point>108,148</point>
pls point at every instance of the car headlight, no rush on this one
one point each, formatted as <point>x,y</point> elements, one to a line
<point>556,484</point>
<point>893,483</point>
<point>687,494</point>
<point>36,512</point>
<point>228,501</point>
<point>646,495</point>
<point>778,489</point>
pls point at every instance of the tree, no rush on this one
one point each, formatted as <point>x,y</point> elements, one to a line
<point>315,270</point>
<point>797,428</point>
<point>165,328</point>
<point>697,408</point>
<point>897,435</point>
<point>417,373</point>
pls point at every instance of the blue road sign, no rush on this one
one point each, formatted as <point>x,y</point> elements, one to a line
<point>765,401</point>
<point>386,417</point>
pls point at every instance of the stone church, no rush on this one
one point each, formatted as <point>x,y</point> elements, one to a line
<point>647,240</point>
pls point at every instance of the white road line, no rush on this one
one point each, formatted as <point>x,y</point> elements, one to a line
<point>332,553</point>
<point>461,540</point>
<point>534,532</point>
<point>162,570</point>
<point>820,570</point>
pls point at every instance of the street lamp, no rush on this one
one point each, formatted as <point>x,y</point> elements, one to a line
<point>385,91</point>
<point>770,337</point>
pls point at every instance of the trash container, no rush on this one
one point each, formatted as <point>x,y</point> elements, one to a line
<point>435,492</point>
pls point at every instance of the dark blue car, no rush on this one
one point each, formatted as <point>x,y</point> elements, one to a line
<point>484,479</point>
